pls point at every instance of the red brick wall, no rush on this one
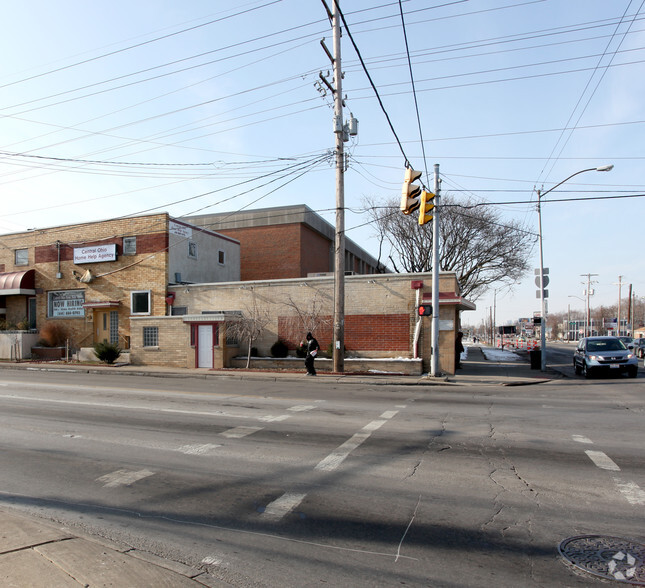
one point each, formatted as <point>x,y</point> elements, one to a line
<point>363,332</point>
<point>280,252</point>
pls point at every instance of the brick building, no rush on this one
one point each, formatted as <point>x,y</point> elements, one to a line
<point>286,242</point>
<point>89,279</point>
<point>380,319</point>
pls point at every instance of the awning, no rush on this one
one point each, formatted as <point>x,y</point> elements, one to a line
<point>102,304</point>
<point>18,283</point>
<point>446,298</point>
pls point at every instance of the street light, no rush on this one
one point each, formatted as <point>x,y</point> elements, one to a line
<point>602,168</point>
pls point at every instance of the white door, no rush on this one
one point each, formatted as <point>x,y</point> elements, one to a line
<point>205,346</point>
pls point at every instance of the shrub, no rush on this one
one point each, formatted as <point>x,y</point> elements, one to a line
<point>254,352</point>
<point>279,349</point>
<point>52,335</point>
<point>107,352</point>
<point>301,350</point>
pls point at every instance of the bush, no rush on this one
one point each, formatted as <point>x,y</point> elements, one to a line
<point>301,350</point>
<point>279,349</point>
<point>107,352</point>
<point>52,335</point>
<point>254,352</point>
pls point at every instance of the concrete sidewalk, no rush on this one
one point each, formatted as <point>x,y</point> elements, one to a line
<point>35,553</point>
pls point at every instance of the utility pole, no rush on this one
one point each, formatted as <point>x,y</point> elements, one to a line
<point>588,293</point>
<point>434,363</point>
<point>342,132</point>
<point>620,286</point>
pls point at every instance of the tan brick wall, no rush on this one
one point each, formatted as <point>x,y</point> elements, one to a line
<point>147,270</point>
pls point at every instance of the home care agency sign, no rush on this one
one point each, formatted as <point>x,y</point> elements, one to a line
<point>95,253</point>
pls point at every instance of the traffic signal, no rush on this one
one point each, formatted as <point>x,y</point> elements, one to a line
<point>410,192</point>
<point>425,310</point>
<point>426,206</point>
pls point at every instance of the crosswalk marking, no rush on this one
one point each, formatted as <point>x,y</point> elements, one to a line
<point>239,432</point>
<point>123,478</point>
<point>281,506</point>
<point>602,460</point>
<point>198,449</point>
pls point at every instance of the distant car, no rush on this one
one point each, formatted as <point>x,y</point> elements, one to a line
<point>639,347</point>
<point>604,354</point>
<point>628,341</point>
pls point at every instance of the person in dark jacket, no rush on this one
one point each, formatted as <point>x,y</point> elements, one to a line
<point>459,349</point>
<point>312,351</point>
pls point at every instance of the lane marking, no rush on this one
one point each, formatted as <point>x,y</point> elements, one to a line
<point>301,408</point>
<point>281,506</point>
<point>198,449</point>
<point>338,456</point>
<point>631,491</point>
<point>274,419</point>
<point>388,414</point>
<point>239,432</point>
<point>123,478</point>
<point>582,439</point>
<point>602,460</point>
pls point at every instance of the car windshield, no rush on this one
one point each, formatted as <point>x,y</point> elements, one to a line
<point>605,345</point>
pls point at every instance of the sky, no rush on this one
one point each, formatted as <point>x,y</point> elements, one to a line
<point>124,108</point>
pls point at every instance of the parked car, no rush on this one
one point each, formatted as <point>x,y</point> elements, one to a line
<point>639,347</point>
<point>604,354</point>
<point>628,341</point>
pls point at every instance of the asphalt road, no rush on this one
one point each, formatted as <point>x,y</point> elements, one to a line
<point>303,484</point>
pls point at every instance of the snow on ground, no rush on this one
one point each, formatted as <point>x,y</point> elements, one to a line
<point>492,354</point>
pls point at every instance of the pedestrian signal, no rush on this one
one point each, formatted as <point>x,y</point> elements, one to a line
<point>425,310</point>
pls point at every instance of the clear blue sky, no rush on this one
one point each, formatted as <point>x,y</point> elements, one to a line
<point>111,109</point>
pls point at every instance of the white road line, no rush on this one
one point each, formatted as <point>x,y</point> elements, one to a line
<point>239,432</point>
<point>198,449</point>
<point>602,460</point>
<point>301,408</point>
<point>274,419</point>
<point>631,492</point>
<point>335,458</point>
<point>123,478</point>
<point>582,439</point>
<point>373,425</point>
<point>281,506</point>
<point>389,414</point>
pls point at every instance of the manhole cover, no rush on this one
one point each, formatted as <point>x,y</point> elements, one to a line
<point>608,557</point>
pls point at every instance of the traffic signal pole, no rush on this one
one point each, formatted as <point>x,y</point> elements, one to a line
<point>434,363</point>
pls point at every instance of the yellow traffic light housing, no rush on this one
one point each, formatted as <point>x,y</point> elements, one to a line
<point>426,205</point>
<point>410,192</point>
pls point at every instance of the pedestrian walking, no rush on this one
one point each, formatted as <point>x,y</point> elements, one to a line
<point>312,351</point>
<point>459,349</point>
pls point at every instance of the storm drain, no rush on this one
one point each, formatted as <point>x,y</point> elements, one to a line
<point>612,558</point>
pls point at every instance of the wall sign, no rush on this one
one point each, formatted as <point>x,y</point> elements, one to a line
<point>66,303</point>
<point>95,253</point>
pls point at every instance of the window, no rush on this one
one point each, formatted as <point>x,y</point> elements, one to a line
<point>129,245</point>
<point>192,249</point>
<point>140,302</point>
<point>221,257</point>
<point>114,327</point>
<point>22,256</point>
<point>178,310</point>
<point>150,336</point>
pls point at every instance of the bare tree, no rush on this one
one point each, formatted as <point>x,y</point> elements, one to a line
<point>305,319</point>
<point>475,243</point>
<point>249,326</point>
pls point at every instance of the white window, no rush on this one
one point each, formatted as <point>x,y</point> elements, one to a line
<point>140,302</point>
<point>129,245</point>
<point>221,257</point>
<point>22,256</point>
<point>192,249</point>
<point>151,336</point>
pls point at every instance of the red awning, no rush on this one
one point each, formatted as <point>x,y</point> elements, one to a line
<point>18,283</point>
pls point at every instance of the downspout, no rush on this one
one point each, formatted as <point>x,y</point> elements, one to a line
<point>417,328</point>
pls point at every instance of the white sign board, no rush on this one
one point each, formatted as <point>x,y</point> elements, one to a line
<point>180,230</point>
<point>446,325</point>
<point>95,253</point>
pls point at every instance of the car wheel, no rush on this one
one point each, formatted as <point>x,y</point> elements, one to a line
<point>586,371</point>
<point>633,372</point>
<point>576,368</point>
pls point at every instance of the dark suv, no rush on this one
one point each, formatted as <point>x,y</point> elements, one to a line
<point>639,347</point>
<point>604,354</point>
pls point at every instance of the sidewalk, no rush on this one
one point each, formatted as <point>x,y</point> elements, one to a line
<point>38,554</point>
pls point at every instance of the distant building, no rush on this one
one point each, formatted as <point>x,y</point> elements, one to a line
<point>286,242</point>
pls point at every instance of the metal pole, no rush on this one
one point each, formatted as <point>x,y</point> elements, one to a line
<point>434,363</point>
<point>542,304</point>
<point>339,245</point>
